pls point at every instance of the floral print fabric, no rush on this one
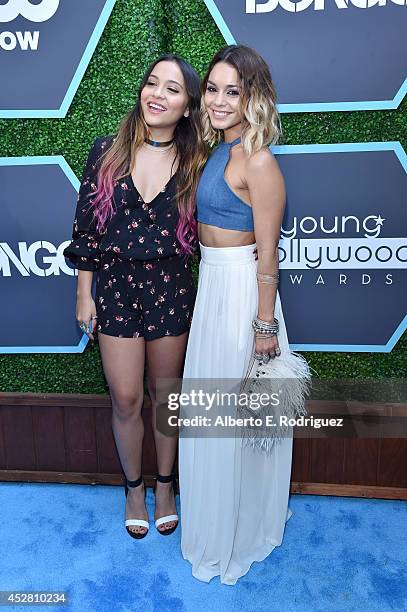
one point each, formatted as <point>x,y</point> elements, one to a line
<point>137,230</point>
<point>144,284</point>
<point>147,299</point>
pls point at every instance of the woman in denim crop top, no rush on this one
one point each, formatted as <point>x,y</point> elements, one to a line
<point>234,497</point>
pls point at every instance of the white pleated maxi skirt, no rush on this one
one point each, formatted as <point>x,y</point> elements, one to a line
<point>234,499</point>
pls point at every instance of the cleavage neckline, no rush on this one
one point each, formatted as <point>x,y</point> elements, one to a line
<point>163,190</point>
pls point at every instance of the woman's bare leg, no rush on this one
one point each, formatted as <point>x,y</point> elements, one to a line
<point>165,359</point>
<point>123,364</point>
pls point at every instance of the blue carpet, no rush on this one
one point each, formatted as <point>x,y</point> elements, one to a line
<point>337,554</point>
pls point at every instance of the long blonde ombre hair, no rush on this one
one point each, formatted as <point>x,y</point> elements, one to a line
<point>261,125</point>
<point>192,151</point>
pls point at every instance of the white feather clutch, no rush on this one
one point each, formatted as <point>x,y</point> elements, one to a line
<point>287,376</point>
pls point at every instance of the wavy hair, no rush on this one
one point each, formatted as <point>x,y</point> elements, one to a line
<point>191,150</point>
<point>261,124</point>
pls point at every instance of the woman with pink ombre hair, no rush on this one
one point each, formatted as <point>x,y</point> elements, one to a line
<point>135,226</point>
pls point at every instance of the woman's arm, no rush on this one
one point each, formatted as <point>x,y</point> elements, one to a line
<point>84,251</point>
<point>85,305</point>
<point>268,196</point>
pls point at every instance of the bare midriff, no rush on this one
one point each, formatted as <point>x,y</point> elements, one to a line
<point>212,236</point>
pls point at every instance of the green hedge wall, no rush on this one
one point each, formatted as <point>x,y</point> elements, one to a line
<point>137,32</point>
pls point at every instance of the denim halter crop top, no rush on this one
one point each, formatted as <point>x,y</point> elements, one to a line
<point>216,203</point>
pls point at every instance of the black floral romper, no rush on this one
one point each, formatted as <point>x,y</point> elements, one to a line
<point>144,284</point>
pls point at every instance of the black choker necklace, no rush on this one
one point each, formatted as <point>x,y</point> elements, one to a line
<point>157,143</point>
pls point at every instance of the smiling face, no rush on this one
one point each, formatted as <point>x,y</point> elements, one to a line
<point>222,97</point>
<point>164,98</point>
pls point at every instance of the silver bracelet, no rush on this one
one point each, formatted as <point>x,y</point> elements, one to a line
<point>265,326</point>
<point>271,279</point>
<point>262,333</point>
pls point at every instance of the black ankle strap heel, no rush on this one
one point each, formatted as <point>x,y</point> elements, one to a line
<point>136,522</point>
<point>165,479</point>
<point>132,484</point>
<point>170,517</point>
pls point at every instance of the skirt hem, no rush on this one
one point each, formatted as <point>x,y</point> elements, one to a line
<point>204,574</point>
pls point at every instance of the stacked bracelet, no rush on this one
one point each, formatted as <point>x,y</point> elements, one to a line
<point>265,327</point>
<point>270,279</point>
